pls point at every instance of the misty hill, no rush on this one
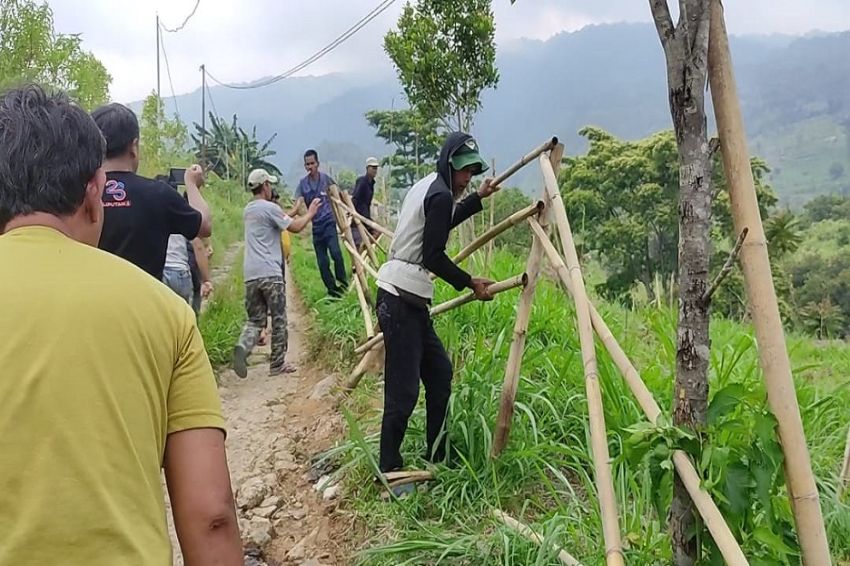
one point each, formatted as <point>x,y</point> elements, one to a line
<point>795,95</point>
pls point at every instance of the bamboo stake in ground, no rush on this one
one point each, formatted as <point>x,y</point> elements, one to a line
<point>359,259</point>
<point>596,416</point>
<point>526,300</point>
<point>755,264</point>
<point>369,347</point>
<point>345,228</point>
<point>367,243</point>
<point>714,521</point>
<point>531,535</point>
<point>364,308</point>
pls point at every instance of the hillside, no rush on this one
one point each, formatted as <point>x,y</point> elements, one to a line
<point>795,94</point>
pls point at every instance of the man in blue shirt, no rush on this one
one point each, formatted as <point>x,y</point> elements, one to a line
<point>315,186</point>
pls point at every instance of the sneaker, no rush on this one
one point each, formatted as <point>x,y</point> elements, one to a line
<point>240,361</point>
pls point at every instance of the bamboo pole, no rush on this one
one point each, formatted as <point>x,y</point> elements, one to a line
<point>367,243</point>
<point>373,358</point>
<point>347,237</point>
<point>845,469</point>
<point>596,416</point>
<point>526,300</point>
<point>532,535</point>
<point>496,288</point>
<point>755,264</point>
<point>723,537</point>
<point>359,259</point>
<point>492,219</point>
<point>364,308</point>
<point>509,222</point>
<point>524,160</point>
<point>363,219</point>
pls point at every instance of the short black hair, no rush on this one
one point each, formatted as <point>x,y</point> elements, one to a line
<point>50,149</point>
<point>312,152</point>
<point>120,127</point>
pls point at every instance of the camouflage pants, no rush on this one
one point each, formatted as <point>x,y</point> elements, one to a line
<point>266,297</point>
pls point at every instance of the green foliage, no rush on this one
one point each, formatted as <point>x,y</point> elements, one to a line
<point>32,51</point>
<point>417,144</point>
<point>623,200</point>
<point>545,476</point>
<point>445,55</point>
<point>822,292</point>
<point>827,207</point>
<point>230,151</point>
<point>162,140</point>
<point>782,231</point>
<point>345,179</point>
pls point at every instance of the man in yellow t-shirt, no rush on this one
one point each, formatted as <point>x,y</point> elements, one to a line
<point>104,379</point>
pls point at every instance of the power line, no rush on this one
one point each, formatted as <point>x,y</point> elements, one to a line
<point>186,21</point>
<point>170,82</point>
<point>316,56</point>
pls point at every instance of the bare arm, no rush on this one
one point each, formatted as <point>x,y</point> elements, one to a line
<point>201,498</point>
<point>300,222</point>
<point>194,179</point>
<point>203,260</point>
<point>299,203</point>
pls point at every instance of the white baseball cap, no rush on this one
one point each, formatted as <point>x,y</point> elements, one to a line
<point>372,162</point>
<point>258,177</point>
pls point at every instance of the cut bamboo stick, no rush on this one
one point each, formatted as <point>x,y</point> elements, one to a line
<point>371,361</point>
<point>714,521</point>
<point>509,222</point>
<point>596,416</point>
<point>845,469</point>
<point>525,160</point>
<point>755,264</point>
<point>359,259</point>
<point>515,355</point>
<point>363,219</point>
<point>364,308</point>
<point>532,535</point>
<point>496,288</point>
<point>345,227</point>
<point>367,242</point>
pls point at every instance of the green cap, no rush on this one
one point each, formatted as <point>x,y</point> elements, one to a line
<point>467,155</point>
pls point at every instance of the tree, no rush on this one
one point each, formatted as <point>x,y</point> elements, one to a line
<point>31,51</point>
<point>445,54</point>
<point>346,179</point>
<point>417,142</point>
<point>623,197</point>
<point>782,231</point>
<point>686,52</point>
<point>163,141</point>
<point>230,152</point>
<point>824,319</point>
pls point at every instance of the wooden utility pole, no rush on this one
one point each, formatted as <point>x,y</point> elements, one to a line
<point>158,31</point>
<point>755,265</point>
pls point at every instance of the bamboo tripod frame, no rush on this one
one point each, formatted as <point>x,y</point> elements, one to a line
<point>551,208</point>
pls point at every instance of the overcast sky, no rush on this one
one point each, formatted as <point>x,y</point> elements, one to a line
<point>255,38</point>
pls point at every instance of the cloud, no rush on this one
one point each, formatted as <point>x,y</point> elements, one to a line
<point>244,41</point>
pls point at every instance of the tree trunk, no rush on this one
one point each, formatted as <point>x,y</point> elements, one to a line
<point>686,50</point>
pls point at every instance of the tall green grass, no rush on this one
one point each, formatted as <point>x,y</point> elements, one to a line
<point>545,475</point>
<point>222,318</point>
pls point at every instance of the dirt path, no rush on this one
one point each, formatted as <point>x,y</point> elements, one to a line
<point>275,427</point>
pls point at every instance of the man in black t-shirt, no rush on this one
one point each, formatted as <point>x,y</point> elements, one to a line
<point>140,214</point>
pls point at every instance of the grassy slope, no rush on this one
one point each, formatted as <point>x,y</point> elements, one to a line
<point>545,475</point>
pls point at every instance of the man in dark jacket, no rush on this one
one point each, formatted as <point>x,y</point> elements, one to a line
<point>361,196</point>
<point>405,291</point>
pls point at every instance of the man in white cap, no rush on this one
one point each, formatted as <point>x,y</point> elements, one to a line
<point>364,190</point>
<point>265,293</point>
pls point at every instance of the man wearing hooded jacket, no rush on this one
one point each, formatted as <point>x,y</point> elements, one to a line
<point>405,290</point>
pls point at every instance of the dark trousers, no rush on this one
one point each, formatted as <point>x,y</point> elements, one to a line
<point>325,241</point>
<point>413,352</point>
